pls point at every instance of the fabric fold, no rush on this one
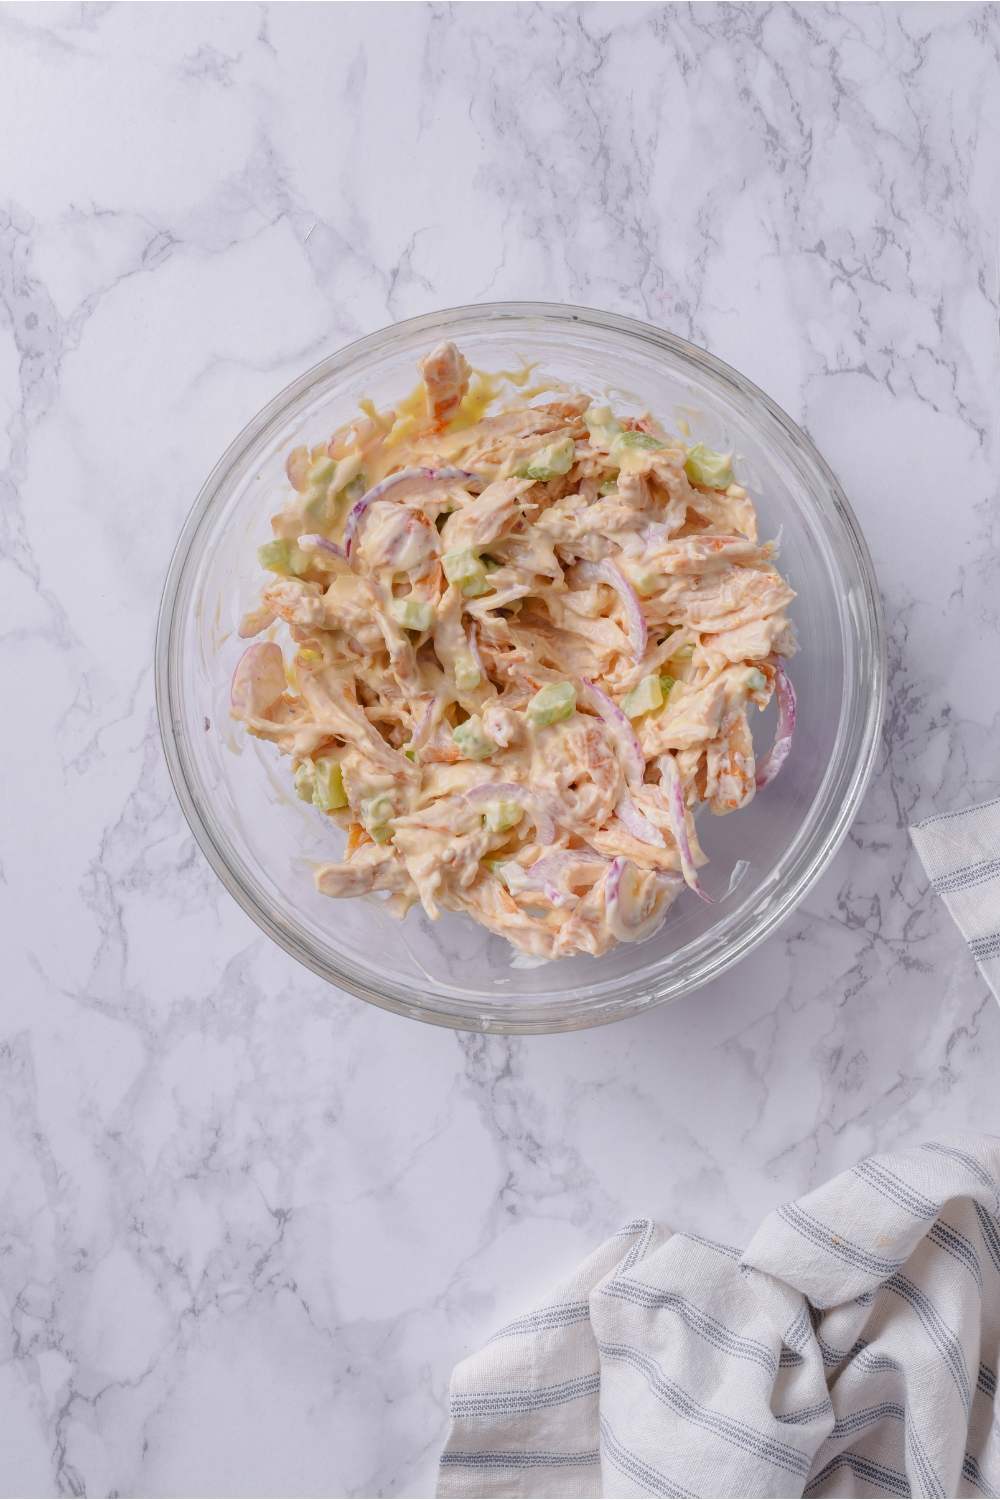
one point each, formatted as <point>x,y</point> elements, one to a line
<point>961,853</point>
<point>851,1349</point>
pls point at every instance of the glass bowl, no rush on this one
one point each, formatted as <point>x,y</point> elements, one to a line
<point>262,842</point>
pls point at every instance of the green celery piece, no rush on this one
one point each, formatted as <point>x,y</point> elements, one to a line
<point>633,442</point>
<point>705,466</point>
<point>602,424</point>
<point>472,740</point>
<point>643,698</point>
<point>555,701</point>
<point>556,458</point>
<point>756,681</point>
<point>412,614</point>
<point>501,815</point>
<point>329,792</point>
<point>467,674</point>
<point>274,556</point>
<point>666,683</point>
<point>464,568</point>
<point>375,815</point>
<point>304,783</point>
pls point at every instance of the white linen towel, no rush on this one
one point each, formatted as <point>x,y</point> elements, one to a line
<point>960,854</point>
<point>851,1349</point>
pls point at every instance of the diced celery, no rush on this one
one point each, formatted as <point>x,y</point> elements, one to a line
<point>412,614</point>
<point>602,425</point>
<point>551,703</point>
<point>643,580</point>
<point>317,497</point>
<point>500,815</point>
<point>467,674</point>
<point>321,471</point>
<point>666,683</point>
<point>329,791</point>
<point>643,698</point>
<point>684,653</point>
<point>304,782</point>
<point>466,569</point>
<point>472,739</point>
<point>633,442</point>
<point>756,681</point>
<point>556,458</point>
<point>705,466</point>
<point>274,556</point>
<point>375,815</point>
<point>355,489</point>
<point>609,487</point>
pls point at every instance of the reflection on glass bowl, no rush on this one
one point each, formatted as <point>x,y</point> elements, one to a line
<point>236,791</point>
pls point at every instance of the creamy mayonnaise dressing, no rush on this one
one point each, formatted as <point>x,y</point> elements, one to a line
<point>524,646</point>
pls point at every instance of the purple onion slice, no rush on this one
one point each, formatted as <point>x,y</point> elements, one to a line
<point>621,907</point>
<point>425,724</point>
<point>313,542</point>
<point>637,631</point>
<point>259,679</point>
<point>678,822</point>
<point>629,750</point>
<point>637,823</point>
<point>359,507</point>
<point>778,753</point>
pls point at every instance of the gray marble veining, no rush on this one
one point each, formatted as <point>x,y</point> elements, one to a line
<point>248,1224</point>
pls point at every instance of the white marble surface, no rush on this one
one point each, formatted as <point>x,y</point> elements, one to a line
<point>248,1223</point>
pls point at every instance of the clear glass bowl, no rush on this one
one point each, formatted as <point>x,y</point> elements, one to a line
<point>262,842</point>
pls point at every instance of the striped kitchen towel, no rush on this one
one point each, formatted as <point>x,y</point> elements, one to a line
<point>851,1349</point>
<point>961,854</point>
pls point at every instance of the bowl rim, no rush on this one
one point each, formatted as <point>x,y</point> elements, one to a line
<point>618,1007</point>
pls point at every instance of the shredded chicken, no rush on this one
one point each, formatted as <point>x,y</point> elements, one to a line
<point>522,648</point>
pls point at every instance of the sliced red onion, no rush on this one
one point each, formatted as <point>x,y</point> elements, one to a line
<point>511,791</point>
<point>778,754</point>
<point>377,491</point>
<point>425,724</point>
<point>637,631</point>
<point>254,621</point>
<point>313,542</point>
<point>619,902</point>
<point>678,822</point>
<point>557,897</point>
<point>552,865</point>
<point>637,823</point>
<point>629,750</point>
<point>259,679</point>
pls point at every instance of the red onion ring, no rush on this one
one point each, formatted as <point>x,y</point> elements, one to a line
<point>637,630</point>
<point>557,897</point>
<point>425,724</point>
<point>615,908</point>
<point>359,507</point>
<point>259,679</point>
<point>553,864</point>
<point>313,542</point>
<point>629,750</point>
<point>778,753</point>
<point>678,822</point>
<point>637,823</point>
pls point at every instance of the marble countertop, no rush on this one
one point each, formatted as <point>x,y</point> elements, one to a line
<point>249,1223</point>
